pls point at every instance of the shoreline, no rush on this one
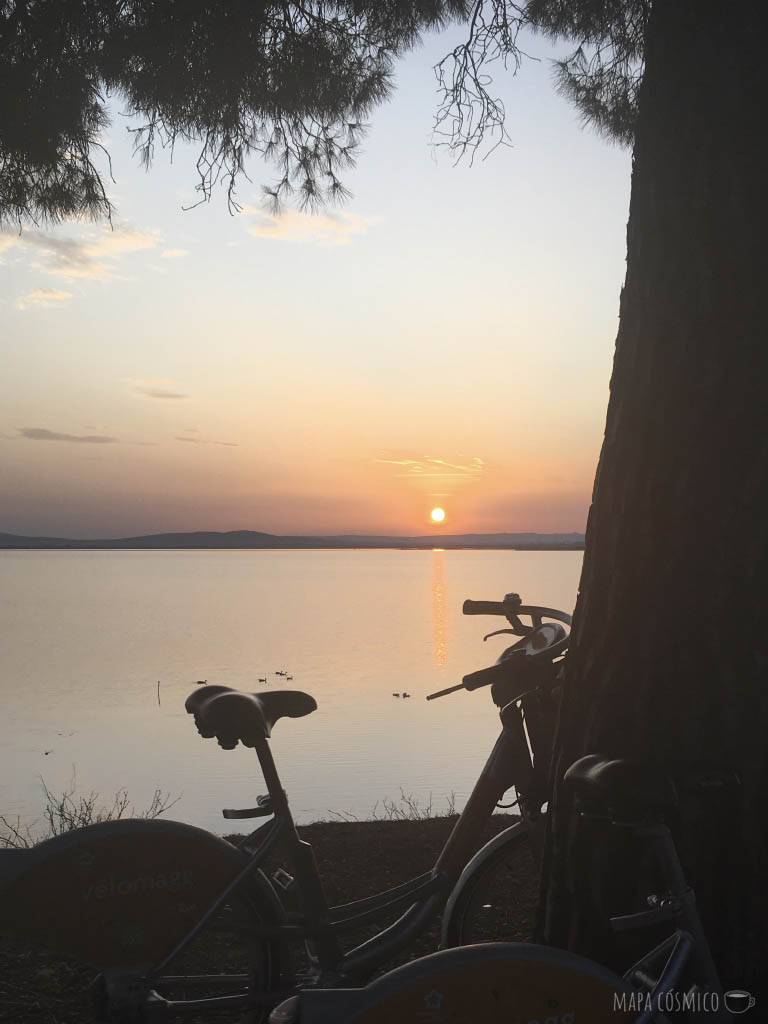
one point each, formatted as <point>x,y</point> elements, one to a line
<point>257,540</point>
<point>291,547</point>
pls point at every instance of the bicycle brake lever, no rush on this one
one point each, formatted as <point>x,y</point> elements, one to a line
<point>496,632</point>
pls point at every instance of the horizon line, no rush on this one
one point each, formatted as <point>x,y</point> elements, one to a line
<point>286,536</point>
<point>250,540</point>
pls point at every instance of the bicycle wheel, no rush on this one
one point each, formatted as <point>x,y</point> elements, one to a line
<point>498,901</point>
<point>120,897</point>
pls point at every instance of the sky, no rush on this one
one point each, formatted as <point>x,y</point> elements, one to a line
<point>444,339</point>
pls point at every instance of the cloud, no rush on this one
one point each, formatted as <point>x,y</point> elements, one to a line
<point>8,240</point>
<point>200,440</point>
<point>320,228</point>
<point>173,254</point>
<point>48,298</point>
<point>409,465</point>
<point>157,389</point>
<point>41,434</point>
<point>93,256</point>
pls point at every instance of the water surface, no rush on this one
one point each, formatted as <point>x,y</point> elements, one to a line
<point>87,635</point>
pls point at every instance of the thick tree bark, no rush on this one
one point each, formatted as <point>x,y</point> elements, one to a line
<point>669,654</point>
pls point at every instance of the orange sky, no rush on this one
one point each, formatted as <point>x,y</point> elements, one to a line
<point>446,339</point>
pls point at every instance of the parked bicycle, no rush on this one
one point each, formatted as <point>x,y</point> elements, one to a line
<point>510,982</point>
<point>182,924</point>
<point>522,983</point>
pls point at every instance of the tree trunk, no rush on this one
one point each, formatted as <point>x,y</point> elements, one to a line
<point>669,653</point>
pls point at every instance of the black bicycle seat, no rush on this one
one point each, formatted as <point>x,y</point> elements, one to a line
<point>233,716</point>
<point>620,788</point>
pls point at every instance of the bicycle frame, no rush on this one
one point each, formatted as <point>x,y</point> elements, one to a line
<point>322,925</point>
<point>509,764</point>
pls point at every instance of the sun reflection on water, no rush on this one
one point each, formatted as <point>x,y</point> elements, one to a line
<point>439,606</point>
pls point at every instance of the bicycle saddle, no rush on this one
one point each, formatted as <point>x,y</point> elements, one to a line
<point>232,716</point>
<point>620,788</point>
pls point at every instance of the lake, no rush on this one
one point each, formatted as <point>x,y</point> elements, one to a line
<point>87,635</point>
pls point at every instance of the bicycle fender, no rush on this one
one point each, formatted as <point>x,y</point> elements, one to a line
<point>495,982</point>
<point>511,834</point>
<point>121,892</point>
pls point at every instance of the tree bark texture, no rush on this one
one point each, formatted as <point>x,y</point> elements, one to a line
<point>669,653</point>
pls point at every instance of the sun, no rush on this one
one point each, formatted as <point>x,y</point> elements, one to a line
<point>437,515</point>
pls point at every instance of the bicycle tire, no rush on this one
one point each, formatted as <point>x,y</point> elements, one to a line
<point>498,900</point>
<point>118,897</point>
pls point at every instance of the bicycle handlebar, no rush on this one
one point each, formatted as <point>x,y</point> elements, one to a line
<point>483,607</point>
<point>488,676</point>
<point>509,606</point>
<point>543,641</point>
<point>502,672</point>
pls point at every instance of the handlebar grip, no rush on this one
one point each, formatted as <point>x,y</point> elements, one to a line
<point>487,676</point>
<point>483,608</point>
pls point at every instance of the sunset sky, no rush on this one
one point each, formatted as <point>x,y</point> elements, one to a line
<point>444,339</point>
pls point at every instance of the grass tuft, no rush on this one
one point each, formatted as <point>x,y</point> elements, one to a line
<point>409,808</point>
<point>68,810</point>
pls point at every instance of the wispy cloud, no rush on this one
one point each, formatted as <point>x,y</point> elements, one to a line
<point>157,389</point>
<point>48,298</point>
<point>201,440</point>
<point>41,434</point>
<point>408,465</point>
<point>320,228</point>
<point>93,256</point>
<point>173,254</point>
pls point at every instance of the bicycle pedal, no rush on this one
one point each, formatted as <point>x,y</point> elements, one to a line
<point>282,879</point>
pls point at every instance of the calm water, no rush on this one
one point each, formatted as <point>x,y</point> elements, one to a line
<point>88,634</point>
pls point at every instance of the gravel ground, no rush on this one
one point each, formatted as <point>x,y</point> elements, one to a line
<point>356,859</point>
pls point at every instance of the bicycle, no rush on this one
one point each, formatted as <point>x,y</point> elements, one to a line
<point>511,983</point>
<point>149,903</point>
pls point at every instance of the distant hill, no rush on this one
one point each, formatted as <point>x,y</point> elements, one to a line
<point>253,539</point>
